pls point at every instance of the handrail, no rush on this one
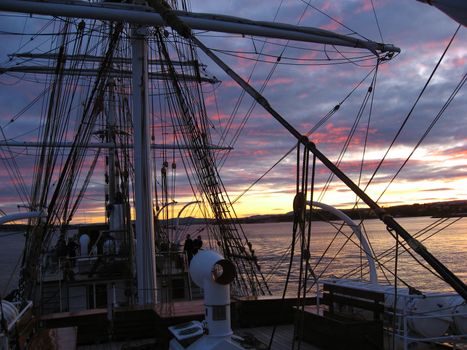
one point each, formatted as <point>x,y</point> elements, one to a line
<point>21,216</point>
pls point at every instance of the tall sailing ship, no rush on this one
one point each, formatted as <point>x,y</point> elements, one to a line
<point>124,89</point>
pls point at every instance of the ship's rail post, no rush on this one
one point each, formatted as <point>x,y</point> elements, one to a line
<point>41,289</point>
<point>60,284</point>
<point>405,325</point>
<point>318,304</point>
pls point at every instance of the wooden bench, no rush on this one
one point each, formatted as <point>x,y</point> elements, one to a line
<point>261,311</point>
<point>338,295</point>
<point>348,318</point>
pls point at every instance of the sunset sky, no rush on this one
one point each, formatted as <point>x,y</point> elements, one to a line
<point>304,90</point>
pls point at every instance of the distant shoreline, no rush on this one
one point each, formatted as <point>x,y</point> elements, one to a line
<point>436,209</point>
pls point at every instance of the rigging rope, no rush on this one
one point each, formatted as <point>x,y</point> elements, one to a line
<point>409,114</point>
<point>377,21</point>
<point>60,205</point>
<point>308,3</point>
<point>278,60</point>
<point>351,132</point>
<point>262,88</point>
<point>319,124</point>
<point>427,131</point>
<point>250,279</point>
<point>298,208</point>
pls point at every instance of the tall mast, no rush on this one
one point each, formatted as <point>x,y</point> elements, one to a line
<point>142,16</point>
<point>145,247</point>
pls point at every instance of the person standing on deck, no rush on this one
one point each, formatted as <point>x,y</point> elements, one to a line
<point>197,244</point>
<point>188,247</point>
<point>71,250</point>
<point>62,249</point>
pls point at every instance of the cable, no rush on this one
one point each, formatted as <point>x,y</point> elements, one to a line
<point>427,131</point>
<point>411,110</point>
<point>333,19</point>
<point>319,124</point>
<point>376,20</point>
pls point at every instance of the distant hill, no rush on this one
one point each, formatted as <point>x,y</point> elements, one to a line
<point>436,209</point>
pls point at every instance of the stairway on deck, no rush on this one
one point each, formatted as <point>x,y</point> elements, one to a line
<point>49,299</point>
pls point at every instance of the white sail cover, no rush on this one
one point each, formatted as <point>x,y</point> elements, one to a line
<point>456,9</point>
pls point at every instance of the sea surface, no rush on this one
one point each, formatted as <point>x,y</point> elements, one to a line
<point>331,254</point>
<point>11,249</point>
<point>338,255</point>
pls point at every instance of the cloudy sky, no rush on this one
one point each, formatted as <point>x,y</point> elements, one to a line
<point>306,93</point>
<point>304,86</point>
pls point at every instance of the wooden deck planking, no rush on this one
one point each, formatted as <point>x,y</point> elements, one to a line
<point>172,313</point>
<point>283,337</point>
<point>282,340</point>
<point>118,345</point>
<point>180,309</point>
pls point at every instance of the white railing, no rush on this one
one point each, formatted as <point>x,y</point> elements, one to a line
<point>412,318</point>
<point>411,323</point>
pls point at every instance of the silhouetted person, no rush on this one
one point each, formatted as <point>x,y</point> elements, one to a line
<point>197,244</point>
<point>62,249</point>
<point>68,272</point>
<point>71,250</point>
<point>188,247</point>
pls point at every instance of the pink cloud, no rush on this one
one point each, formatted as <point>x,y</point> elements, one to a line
<point>456,153</point>
<point>260,152</point>
<point>310,55</point>
<point>220,117</point>
<point>210,100</point>
<point>459,62</point>
<point>365,6</point>
<point>276,81</point>
<point>332,25</point>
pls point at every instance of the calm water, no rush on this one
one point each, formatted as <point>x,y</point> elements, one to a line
<point>343,257</point>
<point>272,242</point>
<point>11,247</point>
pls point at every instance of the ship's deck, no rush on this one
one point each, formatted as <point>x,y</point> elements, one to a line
<point>283,337</point>
<point>282,340</point>
<point>140,323</point>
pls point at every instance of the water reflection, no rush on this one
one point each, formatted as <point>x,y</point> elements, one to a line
<point>344,256</point>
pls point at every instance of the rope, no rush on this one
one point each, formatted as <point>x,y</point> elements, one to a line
<point>394,306</point>
<point>318,125</point>
<point>427,131</point>
<point>412,109</point>
<point>376,20</point>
